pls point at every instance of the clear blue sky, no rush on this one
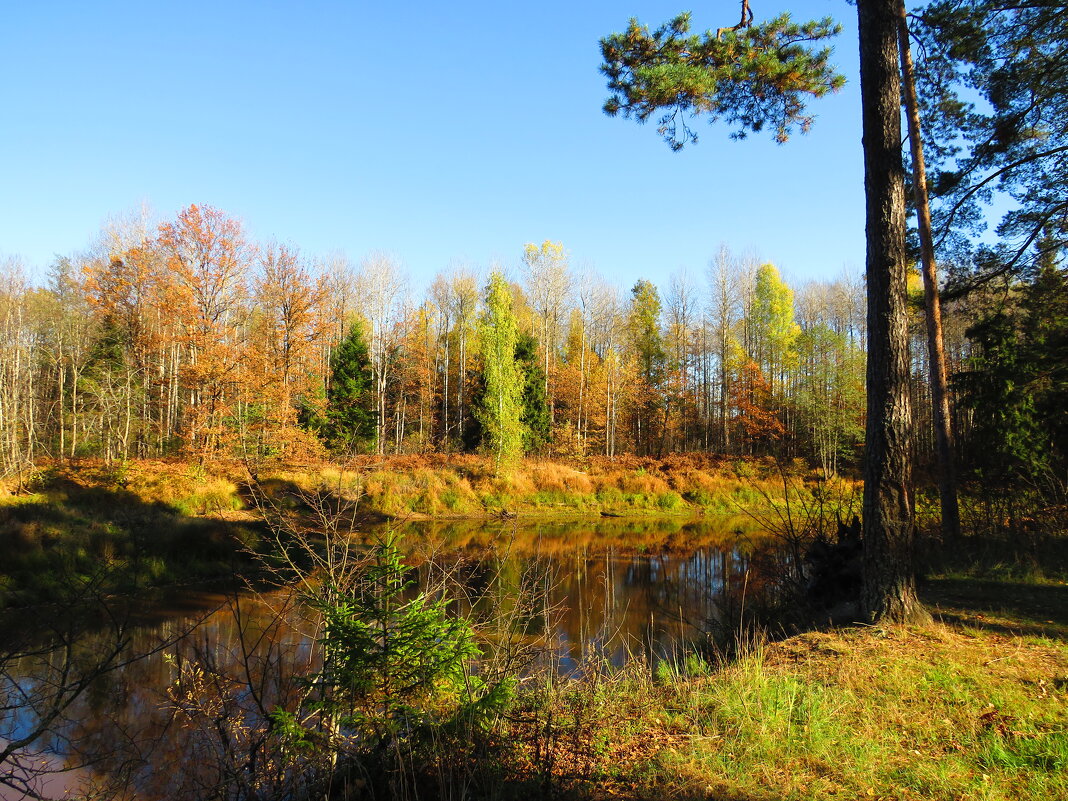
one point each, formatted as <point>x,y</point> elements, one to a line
<point>436,131</point>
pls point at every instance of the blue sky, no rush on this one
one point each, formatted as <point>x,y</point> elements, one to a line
<point>436,131</point>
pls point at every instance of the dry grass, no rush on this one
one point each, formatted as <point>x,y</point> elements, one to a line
<point>462,486</point>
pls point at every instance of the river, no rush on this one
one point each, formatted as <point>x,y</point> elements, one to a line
<point>565,596</point>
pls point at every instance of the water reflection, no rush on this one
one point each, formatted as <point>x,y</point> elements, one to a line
<point>573,595</point>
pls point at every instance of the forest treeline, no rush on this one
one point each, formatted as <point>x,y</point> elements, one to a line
<point>192,340</point>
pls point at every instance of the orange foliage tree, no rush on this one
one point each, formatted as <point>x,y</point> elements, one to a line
<point>755,410</point>
<point>207,258</point>
<point>287,333</point>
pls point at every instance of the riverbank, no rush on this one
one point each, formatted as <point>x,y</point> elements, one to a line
<point>90,529</point>
<point>146,523</point>
<point>469,486</point>
<point>457,486</point>
<point>973,706</point>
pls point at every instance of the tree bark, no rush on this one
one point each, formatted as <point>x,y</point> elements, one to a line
<point>889,579</point>
<point>947,478</point>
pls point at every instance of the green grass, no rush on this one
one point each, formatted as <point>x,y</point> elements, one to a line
<point>902,713</point>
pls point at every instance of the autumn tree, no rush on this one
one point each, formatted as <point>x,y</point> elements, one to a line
<point>455,296</point>
<point>381,286</point>
<point>608,386</point>
<point>548,284</point>
<point>756,412</point>
<point>420,362</point>
<point>643,328</point>
<point>587,291</point>
<point>287,333</point>
<point>829,397</point>
<point>774,330</point>
<point>70,328</point>
<point>127,286</point>
<point>17,412</point>
<point>681,330</point>
<point>464,303</point>
<point>208,257</point>
<point>109,389</point>
<point>725,310</point>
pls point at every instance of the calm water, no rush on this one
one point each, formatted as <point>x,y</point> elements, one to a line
<point>564,595</point>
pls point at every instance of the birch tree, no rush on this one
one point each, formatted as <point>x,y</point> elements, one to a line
<point>502,404</point>
<point>548,279</point>
<point>381,286</point>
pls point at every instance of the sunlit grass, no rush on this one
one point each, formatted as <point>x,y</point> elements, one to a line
<point>896,713</point>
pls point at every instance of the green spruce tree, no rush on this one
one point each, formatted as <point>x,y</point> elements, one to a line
<point>350,419</point>
<point>535,416</point>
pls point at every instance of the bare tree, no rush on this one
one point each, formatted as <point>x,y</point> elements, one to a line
<point>18,411</point>
<point>463,299</point>
<point>548,279</point>
<point>681,306</point>
<point>725,311</point>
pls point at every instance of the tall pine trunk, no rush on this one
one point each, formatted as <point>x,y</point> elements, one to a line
<point>889,578</point>
<point>947,479</point>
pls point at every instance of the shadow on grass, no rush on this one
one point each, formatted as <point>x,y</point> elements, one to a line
<point>1008,607</point>
<point>72,532</point>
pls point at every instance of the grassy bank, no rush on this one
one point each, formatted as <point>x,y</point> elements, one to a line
<point>944,712</point>
<point>152,522</point>
<point>462,486</point>
<point>471,486</point>
<point>120,528</point>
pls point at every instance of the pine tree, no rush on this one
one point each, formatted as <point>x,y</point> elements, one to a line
<point>763,74</point>
<point>1016,387</point>
<point>751,75</point>
<point>1010,146</point>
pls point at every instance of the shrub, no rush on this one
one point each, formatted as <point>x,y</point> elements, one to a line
<point>669,501</point>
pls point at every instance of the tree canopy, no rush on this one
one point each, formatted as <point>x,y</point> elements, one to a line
<point>995,92</point>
